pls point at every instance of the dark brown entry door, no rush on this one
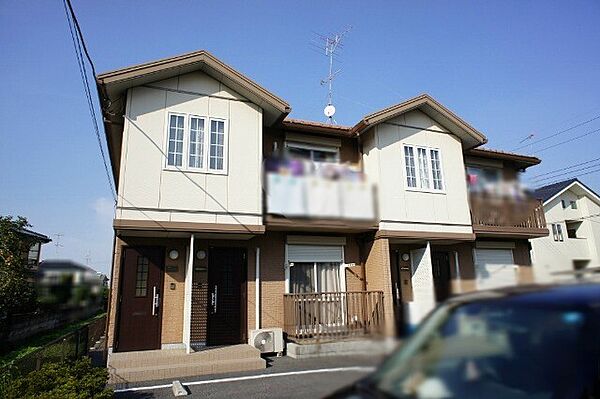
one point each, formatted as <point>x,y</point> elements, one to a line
<point>141,299</point>
<point>441,275</point>
<point>226,296</point>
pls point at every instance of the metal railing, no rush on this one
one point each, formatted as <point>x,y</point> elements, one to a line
<point>498,212</point>
<point>73,345</point>
<point>329,316</point>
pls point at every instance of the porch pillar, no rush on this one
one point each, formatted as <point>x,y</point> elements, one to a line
<point>187,301</point>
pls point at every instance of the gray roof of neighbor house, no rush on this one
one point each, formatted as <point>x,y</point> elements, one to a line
<point>546,192</point>
<point>64,264</point>
<point>36,236</point>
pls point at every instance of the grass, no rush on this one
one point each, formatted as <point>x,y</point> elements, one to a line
<point>38,341</point>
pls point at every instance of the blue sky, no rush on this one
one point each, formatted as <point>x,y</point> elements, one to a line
<point>510,68</point>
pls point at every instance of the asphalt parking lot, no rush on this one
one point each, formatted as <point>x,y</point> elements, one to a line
<point>283,377</point>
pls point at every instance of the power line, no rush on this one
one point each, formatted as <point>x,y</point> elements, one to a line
<point>570,177</point>
<point>78,43</point>
<point>566,173</point>
<point>558,133</point>
<point>567,141</point>
<point>561,169</point>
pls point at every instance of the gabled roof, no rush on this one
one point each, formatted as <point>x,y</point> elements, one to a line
<point>114,83</point>
<point>470,136</point>
<point>551,191</point>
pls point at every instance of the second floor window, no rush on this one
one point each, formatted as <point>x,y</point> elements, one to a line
<point>557,232</point>
<point>175,150</point>
<point>191,146</point>
<point>423,168</point>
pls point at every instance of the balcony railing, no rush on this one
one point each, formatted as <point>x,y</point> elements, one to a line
<point>516,213</point>
<point>331,316</point>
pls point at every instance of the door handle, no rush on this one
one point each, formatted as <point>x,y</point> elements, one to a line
<point>155,301</point>
<point>213,300</point>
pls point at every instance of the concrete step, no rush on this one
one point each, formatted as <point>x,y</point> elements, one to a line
<point>168,357</point>
<point>177,370</point>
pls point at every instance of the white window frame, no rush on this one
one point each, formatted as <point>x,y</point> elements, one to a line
<point>431,188</point>
<point>204,165</point>
<point>167,133</point>
<point>288,265</point>
<point>187,123</point>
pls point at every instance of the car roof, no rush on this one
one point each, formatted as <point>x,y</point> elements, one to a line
<point>578,294</point>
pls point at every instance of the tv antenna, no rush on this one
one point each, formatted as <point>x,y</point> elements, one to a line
<point>57,243</point>
<point>332,45</point>
<point>88,258</point>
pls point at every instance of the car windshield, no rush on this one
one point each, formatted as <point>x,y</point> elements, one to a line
<point>493,350</point>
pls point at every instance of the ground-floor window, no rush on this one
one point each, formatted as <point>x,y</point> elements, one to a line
<point>314,277</point>
<point>315,268</point>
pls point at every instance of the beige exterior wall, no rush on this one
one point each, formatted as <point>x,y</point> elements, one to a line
<point>401,208</point>
<point>165,194</point>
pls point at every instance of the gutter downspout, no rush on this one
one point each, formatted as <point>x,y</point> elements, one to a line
<point>257,288</point>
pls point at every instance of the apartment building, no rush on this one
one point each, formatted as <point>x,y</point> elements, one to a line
<point>572,210</point>
<point>233,217</point>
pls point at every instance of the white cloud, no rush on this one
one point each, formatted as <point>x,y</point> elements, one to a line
<point>105,209</point>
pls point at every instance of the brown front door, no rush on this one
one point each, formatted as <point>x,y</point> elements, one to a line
<point>441,274</point>
<point>140,299</point>
<point>226,295</point>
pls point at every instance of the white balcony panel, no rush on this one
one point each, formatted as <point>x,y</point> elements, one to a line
<point>286,195</point>
<point>357,200</point>
<point>323,198</point>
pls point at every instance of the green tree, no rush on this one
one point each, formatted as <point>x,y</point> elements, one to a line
<point>17,293</point>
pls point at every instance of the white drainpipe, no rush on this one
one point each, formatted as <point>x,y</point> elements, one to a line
<point>257,287</point>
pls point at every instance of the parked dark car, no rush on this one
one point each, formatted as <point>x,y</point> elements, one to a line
<point>540,342</point>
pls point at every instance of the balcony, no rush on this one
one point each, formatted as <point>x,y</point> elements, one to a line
<point>318,195</point>
<point>330,316</point>
<point>497,216</point>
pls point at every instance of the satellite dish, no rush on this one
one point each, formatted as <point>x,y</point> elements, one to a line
<point>329,111</point>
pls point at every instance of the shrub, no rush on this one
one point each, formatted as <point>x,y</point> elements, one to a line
<point>68,380</point>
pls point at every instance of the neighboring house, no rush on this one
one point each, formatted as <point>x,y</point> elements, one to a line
<point>573,215</point>
<point>70,283</point>
<point>233,217</point>
<point>32,257</point>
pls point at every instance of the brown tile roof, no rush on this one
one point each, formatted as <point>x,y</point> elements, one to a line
<point>499,154</point>
<point>317,127</point>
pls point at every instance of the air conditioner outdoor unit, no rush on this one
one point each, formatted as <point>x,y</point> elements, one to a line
<point>267,340</point>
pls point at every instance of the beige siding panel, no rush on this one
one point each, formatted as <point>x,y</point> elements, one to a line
<point>143,153</point>
<point>216,193</point>
<point>244,181</point>
<point>239,219</point>
<point>167,83</point>
<point>193,217</point>
<point>186,103</point>
<point>199,82</point>
<point>219,108</point>
<point>229,93</point>
<point>181,190</point>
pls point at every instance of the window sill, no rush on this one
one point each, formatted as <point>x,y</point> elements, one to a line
<point>421,190</point>
<point>196,171</point>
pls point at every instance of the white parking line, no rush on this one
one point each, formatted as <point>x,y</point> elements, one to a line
<point>250,377</point>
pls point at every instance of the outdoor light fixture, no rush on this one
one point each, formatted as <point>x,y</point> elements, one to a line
<point>201,254</point>
<point>405,257</point>
<point>173,254</point>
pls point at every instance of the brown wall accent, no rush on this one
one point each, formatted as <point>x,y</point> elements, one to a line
<point>348,150</point>
<point>378,276</point>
